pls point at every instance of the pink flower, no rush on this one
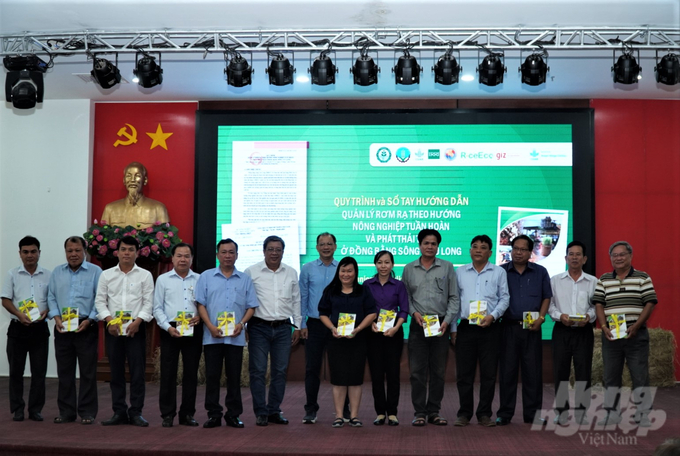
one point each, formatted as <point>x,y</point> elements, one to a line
<point>159,235</point>
<point>113,243</point>
<point>116,230</point>
<point>154,248</point>
<point>100,237</point>
<point>126,234</point>
<point>157,223</point>
<point>149,230</point>
<point>133,232</point>
<point>102,250</point>
<point>145,251</point>
<point>95,243</point>
<point>102,223</point>
<point>165,243</point>
<point>170,234</point>
<point>115,253</point>
<point>95,232</point>
<point>95,221</point>
<point>167,225</point>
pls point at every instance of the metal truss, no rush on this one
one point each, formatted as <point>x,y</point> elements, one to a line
<point>345,40</point>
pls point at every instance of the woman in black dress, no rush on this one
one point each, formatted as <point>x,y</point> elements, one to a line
<point>347,353</point>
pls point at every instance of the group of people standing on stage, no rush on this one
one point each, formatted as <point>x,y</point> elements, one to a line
<point>491,314</point>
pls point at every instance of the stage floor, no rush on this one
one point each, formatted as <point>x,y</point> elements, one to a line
<point>46,438</point>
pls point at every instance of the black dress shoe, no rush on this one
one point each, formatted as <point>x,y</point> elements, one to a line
<point>35,416</point>
<point>277,418</point>
<point>261,420</point>
<point>188,420</point>
<point>212,422</point>
<point>500,421</point>
<point>115,420</point>
<point>64,419</point>
<point>18,416</point>
<point>167,421</point>
<point>233,421</point>
<point>139,421</point>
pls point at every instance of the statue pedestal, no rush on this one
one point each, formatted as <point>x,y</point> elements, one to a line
<point>156,268</point>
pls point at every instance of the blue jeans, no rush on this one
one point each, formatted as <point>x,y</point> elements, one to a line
<point>274,341</point>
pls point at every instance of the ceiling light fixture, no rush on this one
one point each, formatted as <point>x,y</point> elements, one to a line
<point>365,70</point>
<point>280,69</point>
<point>238,72</point>
<point>148,73</point>
<point>626,69</point>
<point>322,69</point>
<point>534,69</point>
<point>447,70</point>
<point>105,73</point>
<point>492,68</point>
<point>668,69</point>
<point>24,82</point>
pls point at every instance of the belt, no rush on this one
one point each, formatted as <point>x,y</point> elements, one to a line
<point>16,320</point>
<point>272,323</point>
<point>509,321</point>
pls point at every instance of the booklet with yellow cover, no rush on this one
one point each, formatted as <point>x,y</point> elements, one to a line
<point>226,323</point>
<point>528,319</point>
<point>69,319</point>
<point>477,312</point>
<point>183,319</point>
<point>346,323</point>
<point>431,325</point>
<point>617,325</point>
<point>30,308</point>
<point>386,319</point>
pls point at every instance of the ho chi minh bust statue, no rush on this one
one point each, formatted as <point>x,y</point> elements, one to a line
<point>135,209</point>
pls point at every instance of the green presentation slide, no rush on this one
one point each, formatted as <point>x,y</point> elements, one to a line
<point>376,186</point>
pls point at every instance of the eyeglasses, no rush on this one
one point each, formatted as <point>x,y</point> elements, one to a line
<point>273,250</point>
<point>619,255</point>
<point>518,249</point>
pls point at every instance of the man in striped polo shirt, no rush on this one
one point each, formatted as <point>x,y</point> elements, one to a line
<point>625,291</point>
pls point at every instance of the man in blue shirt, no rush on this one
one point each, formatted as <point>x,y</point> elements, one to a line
<point>173,297</point>
<point>530,291</point>
<point>25,288</point>
<point>224,289</point>
<point>314,277</point>
<point>484,297</point>
<point>74,284</point>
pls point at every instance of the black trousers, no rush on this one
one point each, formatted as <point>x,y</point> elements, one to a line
<point>577,344</point>
<point>315,345</point>
<point>520,348</point>
<point>231,356</point>
<point>384,357</point>
<point>22,341</point>
<point>134,349</point>
<point>81,348</point>
<point>475,344</point>
<point>190,348</point>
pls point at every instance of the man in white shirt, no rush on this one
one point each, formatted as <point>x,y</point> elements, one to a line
<point>174,299</point>
<point>278,292</point>
<point>572,338</point>
<point>26,287</point>
<point>126,288</point>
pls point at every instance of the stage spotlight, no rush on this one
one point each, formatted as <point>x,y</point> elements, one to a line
<point>280,70</point>
<point>534,69</point>
<point>148,73</point>
<point>24,82</point>
<point>238,72</point>
<point>407,71</point>
<point>626,69</point>
<point>491,69</point>
<point>365,70</point>
<point>322,69</point>
<point>105,73</point>
<point>668,69</point>
<point>447,70</point>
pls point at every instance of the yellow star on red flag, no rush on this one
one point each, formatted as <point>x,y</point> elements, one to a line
<point>159,138</point>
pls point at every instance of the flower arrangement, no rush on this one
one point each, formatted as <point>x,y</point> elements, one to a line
<point>155,242</point>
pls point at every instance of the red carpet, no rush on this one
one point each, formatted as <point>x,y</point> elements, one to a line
<point>517,438</point>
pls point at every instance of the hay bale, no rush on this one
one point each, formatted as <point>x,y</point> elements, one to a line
<point>662,348</point>
<point>245,375</point>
